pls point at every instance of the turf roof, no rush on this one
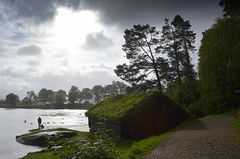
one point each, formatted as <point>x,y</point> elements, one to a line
<point>117,108</point>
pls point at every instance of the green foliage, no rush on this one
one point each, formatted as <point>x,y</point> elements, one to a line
<point>186,94</point>
<point>219,65</point>
<point>73,94</point>
<point>43,95</point>
<point>12,99</point>
<point>86,95</point>
<point>100,147</point>
<point>98,93</point>
<point>231,7</point>
<point>177,42</point>
<point>111,90</point>
<point>61,97</point>
<point>26,101</point>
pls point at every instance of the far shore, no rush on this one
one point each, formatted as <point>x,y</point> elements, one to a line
<point>49,106</point>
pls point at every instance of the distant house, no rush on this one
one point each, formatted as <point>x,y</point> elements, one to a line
<point>138,115</point>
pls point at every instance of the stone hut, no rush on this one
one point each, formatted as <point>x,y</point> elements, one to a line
<point>138,115</point>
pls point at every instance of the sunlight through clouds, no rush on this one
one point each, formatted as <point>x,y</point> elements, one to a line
<point>71,28</point>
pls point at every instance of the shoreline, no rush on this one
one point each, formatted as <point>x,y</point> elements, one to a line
<point>67,106</point>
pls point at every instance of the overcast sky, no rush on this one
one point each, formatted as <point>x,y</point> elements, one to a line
<point>54,44</point>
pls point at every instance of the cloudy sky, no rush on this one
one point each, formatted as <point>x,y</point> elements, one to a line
<point>58,43</point>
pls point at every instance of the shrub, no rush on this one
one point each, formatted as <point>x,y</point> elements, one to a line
<point>100,147</point>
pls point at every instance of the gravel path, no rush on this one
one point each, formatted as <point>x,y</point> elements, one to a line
<point>209,138</point>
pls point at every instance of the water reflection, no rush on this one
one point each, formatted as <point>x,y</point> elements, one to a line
<point>13,123</point>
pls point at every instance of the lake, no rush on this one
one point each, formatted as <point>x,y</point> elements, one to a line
<point>12,124</point>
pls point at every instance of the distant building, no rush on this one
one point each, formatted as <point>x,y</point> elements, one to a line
<point>137,116</point>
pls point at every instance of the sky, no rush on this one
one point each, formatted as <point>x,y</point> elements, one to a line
<point>55,44</point>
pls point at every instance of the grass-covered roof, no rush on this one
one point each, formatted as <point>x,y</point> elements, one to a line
<point>118,107</point>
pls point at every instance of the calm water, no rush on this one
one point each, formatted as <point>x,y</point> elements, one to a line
<point>12,124</point>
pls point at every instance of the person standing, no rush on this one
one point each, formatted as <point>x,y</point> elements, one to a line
<point>39,122</point>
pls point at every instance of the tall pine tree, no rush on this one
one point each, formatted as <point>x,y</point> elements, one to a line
<point>141,44</point>
<point>177,42</point>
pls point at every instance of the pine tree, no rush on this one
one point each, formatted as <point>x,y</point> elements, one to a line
<point>177,42</point>
<point>141,43</point>
<point>171,46</point>
<point>186,39</point>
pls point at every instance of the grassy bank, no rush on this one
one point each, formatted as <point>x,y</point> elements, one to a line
<point>128,149</point>
<point>57,146</point>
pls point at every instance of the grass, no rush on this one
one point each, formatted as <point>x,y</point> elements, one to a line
<point>42,155</point>
<point>138,149</point>
<point>115,108</point>
<point>127,149</point>
<point>51,153</point>
<point>236,123</point>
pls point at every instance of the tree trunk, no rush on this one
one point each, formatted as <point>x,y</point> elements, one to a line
<point>158,78</point>
<point>177,69</point>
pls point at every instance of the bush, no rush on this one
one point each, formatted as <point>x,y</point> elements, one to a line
<point>101,147</point>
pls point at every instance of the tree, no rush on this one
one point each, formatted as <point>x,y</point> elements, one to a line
<point>98,93</point>
<point>73,94</point>
<point>43,95</point>
<point>32,97</point>
<point>110,91</point>
<point>186,39</point>
<point>120,87</point>
<point>26,101</point>
<point>219,65</point>
<point>87,95</point>
<point>51,96</point>
<point>231,7</point>
<point>140,46</point>
<point>171,46</point>
<point>177,42</point>
<point>61,97</point>
<point>12,99</point>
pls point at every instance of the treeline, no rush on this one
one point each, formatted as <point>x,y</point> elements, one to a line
<point>161,60</point>
<point>73,97</point>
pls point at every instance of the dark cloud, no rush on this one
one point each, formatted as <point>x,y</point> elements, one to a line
<point>33,10</point>
<point>37,11</point>
<point>113,11</point>
<point>30,50</point>
<point>97,42</point>
<point>127,12</point>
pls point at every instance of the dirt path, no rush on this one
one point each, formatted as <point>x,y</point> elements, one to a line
<point>209,138</point>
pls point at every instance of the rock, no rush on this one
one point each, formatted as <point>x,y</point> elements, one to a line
<point>33,140</point>
<point>42,138</point>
